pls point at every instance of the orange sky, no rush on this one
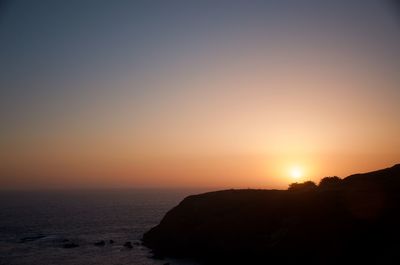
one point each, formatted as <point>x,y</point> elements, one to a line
<point>236,105</point>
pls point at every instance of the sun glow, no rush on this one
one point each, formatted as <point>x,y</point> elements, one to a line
<point>296,173</point>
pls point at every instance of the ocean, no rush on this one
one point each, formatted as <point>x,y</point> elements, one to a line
<point>63,227</point>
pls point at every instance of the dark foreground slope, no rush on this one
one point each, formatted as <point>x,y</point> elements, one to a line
<point>355,221</point>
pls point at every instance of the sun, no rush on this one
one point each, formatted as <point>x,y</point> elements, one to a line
<point>296,173</point>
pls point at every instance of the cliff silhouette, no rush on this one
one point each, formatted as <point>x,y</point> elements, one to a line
<point>354,220</point>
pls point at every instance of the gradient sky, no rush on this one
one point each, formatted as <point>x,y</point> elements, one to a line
<point>196,93</point>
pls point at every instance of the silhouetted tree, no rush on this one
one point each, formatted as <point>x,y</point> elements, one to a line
<point>329,182</point>
<point>305,186</point>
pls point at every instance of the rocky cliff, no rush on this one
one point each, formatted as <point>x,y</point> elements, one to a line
<point>357,220</point>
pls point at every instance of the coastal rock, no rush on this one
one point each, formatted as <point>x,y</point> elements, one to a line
<point>356,222</point>
<point>128,244</point>
<point>70,245</point>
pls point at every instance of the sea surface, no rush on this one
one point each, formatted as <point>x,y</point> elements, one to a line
<point>36,226</point>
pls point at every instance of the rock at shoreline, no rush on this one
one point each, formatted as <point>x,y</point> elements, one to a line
<point>128,245</point>
<point>355,222</point>
<point>70,245</point>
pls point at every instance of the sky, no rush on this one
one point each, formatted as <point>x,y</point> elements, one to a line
<point>224,94</point>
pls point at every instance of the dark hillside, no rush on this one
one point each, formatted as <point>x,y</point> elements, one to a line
<point>356,221</point>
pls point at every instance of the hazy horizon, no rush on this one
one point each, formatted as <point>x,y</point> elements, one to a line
<point>238,94</point>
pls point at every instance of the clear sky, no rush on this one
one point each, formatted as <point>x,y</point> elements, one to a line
<point>196,93</point>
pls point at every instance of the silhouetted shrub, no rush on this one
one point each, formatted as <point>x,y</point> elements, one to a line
<point>329,182</point>
<point>305,186</point>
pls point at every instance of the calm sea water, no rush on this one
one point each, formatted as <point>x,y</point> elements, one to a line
<point>35,226</point>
